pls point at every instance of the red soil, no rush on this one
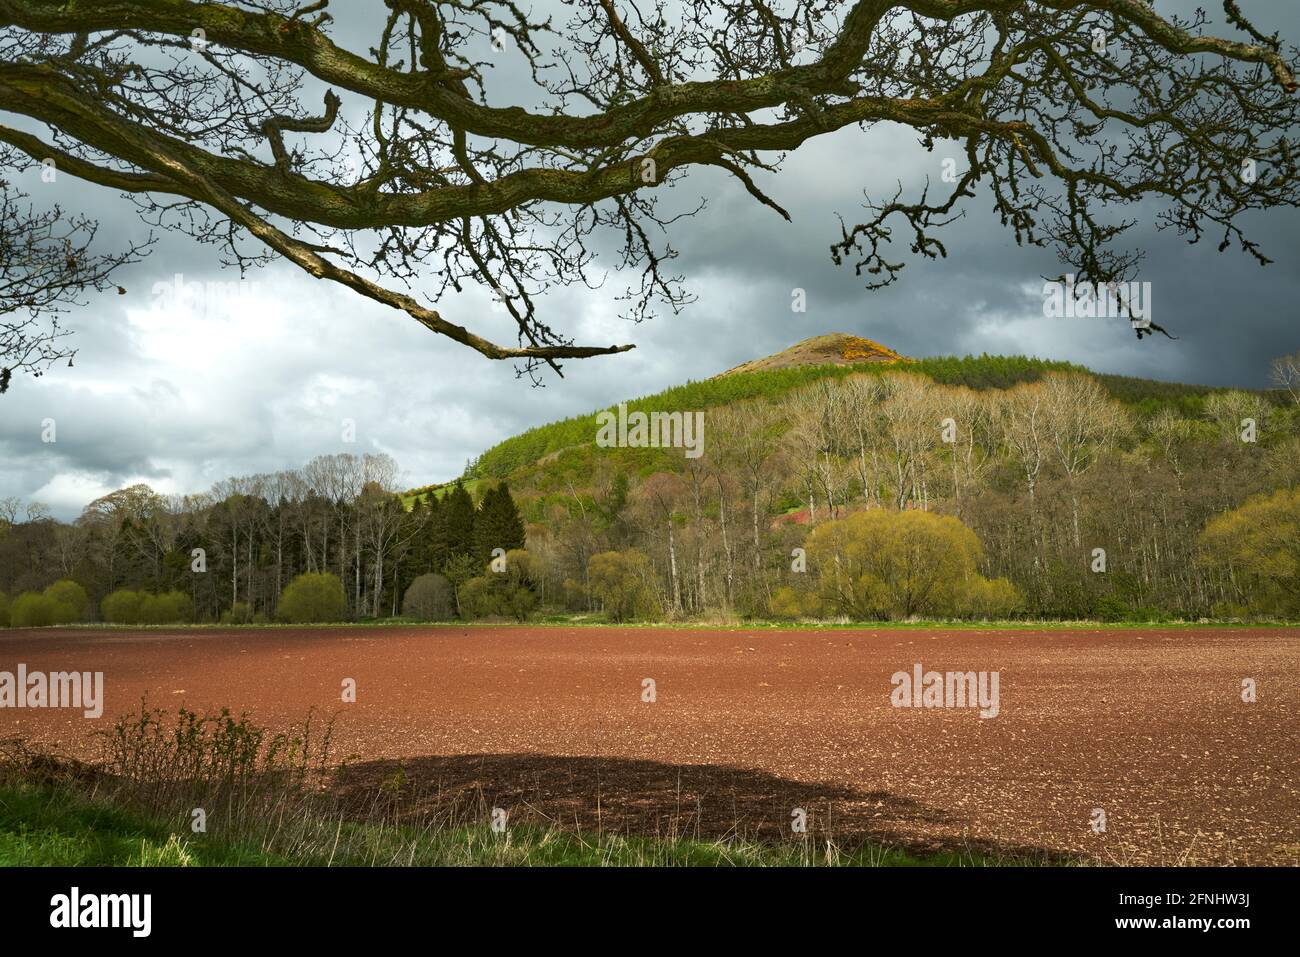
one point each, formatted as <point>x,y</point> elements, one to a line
<point>1148,725</point>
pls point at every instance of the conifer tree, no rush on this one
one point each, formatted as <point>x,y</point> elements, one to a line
<point>511,522</point>
<point>419,557</point>
<point>497,524</point>
<point>439,546</point>
<point>458,522</point>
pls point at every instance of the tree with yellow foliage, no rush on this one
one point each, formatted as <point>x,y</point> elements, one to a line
<point>885,564</point>
<point>1260,542</point>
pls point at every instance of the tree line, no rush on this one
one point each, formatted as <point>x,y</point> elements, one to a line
<point>232,551</point>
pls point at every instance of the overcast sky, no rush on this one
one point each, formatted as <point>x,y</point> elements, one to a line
<point>180,394</point>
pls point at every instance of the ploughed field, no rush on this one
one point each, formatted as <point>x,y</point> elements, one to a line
<point>1145,725</point>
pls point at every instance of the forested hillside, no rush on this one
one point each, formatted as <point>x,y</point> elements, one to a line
<point>1044,461</point>
<point>975,372</point>
<point>1070,495</point>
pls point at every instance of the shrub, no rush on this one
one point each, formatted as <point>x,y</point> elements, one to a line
<point>428,598</point>
<point>122,607</point>
<point>507,590</point>
<point>64,601</point>
<point>240,613</point>
<point>517,587</point>
<point>883,564</point>
<point>70,600</point>
<point>989,598</point>
<point>789,602</point>
<point>33,610</point>
<point>1113,608</point>
<point>478,599</point>
<point>168,608</point>
<point>620,582</point>
<point>313,597</point>
<point>127,607</point>
<point>519,603</point>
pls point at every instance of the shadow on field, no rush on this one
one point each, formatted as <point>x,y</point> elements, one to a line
<point>650,798</point>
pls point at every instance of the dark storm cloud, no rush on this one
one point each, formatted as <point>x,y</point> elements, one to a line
<point>183,398</point>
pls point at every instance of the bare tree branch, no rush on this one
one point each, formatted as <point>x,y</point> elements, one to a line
<point>1065,112</point>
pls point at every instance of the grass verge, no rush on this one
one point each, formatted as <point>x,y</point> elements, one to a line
<point>267,800</point>
<point>597,620</point>
<point>56,826</point>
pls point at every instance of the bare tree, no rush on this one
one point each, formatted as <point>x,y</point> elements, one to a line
<point>1082,421</point>
<point>862,397</point>
<point>69,548</point>
<point>1170,432</point>
<point>1230,410</point>
<point>1024,432</point>
<point>658,496</point>
<point>972,446</point>
<point>747,432</point>
<point>284,489</point>
<point>1065,112</point>
<point>379,520</point>
<point>1286,373</point>
<point>816,440</point>
<point>910,432</point>
<point>46,266</point>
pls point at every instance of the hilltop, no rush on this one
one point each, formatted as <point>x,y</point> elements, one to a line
<point>834,349</point>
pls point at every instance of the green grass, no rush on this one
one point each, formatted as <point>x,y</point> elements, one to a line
<point>53,826</point>
<point>437,490</point>
<point>597,620</point>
